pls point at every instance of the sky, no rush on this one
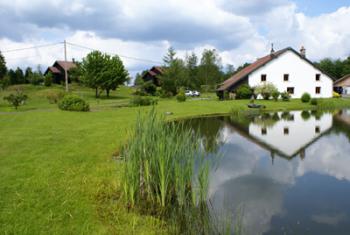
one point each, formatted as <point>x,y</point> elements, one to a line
<point>141,31</point>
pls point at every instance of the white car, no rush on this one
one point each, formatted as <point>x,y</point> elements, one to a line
<point>196,93</point>
<point>188,93</point>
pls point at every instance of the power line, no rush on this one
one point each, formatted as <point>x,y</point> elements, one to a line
<point>32,47</point>
<point>123,56</point>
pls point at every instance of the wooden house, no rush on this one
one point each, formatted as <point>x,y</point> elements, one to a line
<point>57,70</point>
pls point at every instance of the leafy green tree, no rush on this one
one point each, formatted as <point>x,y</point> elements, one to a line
<point>244,92</point>
<point>27,74</point>
<point>36,78</point>
<point>3,68</point>
<point>16,99</point>
<point>175,74</point>
<point>210,68</point>
<point>101,71</point>
<point>229,71</point>
<point>191,64</point>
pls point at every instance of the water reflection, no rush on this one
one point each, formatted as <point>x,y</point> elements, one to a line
<point>288,172</point>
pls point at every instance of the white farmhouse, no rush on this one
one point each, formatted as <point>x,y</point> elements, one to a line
<point>288,70</point>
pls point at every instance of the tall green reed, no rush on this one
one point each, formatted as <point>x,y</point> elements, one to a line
<point>160,163</point>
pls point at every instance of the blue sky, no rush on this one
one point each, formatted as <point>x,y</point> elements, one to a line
<point>240,30</point>
<point>317,7</point>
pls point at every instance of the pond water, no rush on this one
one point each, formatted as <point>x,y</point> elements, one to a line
<point>280,173</point>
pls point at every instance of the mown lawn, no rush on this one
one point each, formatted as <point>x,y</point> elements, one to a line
<point>58,174</point>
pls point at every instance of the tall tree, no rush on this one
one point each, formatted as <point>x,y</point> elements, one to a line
<point>101,71</point>
<point>192,69</point>
<point>114,74</point>
<point>28,74</point>
<point>210,68</point>
<point>175,73</point>
<point>3,68</point>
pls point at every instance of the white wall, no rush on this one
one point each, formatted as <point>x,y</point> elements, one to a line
<point>301,132</point>
<point>301,76</point>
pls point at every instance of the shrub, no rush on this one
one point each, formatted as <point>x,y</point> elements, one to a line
<point>305,98</point>
<point>265,90</point>
<point>314,101</point>
<point>336,95</point>
<point>285,96</point>
<point>16,99</point>
<point>54,96</point>
<point>149,88</point>
<point>244,92</point>
<point>275,95</point>
<point>142,101</point>
<point>226,95</point>
<point>48,79</point>
<point>165,94</point>
<point>305,115</point>
<point>73,103</point>
<point>181,97</point>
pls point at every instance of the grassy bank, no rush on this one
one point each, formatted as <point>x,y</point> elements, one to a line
<point>58,174</point>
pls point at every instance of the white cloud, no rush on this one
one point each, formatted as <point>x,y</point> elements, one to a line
<point>240,30</point>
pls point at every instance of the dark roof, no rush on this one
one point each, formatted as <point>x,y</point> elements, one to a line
<point>237,77</point>
<point>53,69</point>
<point>65,64</point>
<point>341,79</point>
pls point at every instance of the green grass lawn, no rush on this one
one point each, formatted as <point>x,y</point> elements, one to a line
<point>58,174</point>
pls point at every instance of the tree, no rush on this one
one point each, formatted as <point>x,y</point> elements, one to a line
<point>3,68</point>
<point>16,99</point>
<point>192,69</point>
<point>92,67</point>
<point>229,71</point>
<point>27,74</point>
<point>210,68</point>
<point>101,71</point>
<point>114,74</point>
<point>175,74</point>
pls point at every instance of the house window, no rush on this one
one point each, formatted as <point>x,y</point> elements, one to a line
<point>286,77</point>
<point>286,131</point>
<point>263,131</point>
<point>318,90</point>
<point>290,90</point>
<point>318,77</point>
<point>263,77</point>
<point>317,130</point>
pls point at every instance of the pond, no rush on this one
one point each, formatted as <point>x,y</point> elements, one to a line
<point>279,173</point>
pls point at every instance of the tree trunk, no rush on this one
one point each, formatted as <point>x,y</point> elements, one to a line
<point>96,92</point>
<point>107,92</point>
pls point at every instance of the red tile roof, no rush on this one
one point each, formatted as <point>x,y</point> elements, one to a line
<point>249,69</point>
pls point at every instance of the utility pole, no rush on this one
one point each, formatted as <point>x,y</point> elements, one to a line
<point>65,66</point>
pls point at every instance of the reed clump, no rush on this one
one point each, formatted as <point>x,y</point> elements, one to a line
<point>165,173</point>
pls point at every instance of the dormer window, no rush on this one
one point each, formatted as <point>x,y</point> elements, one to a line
<point>318,77</point>
<point>286,77</point>
<point>263,77</point>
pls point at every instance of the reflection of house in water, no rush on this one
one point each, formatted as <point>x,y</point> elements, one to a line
<point>290,133</point>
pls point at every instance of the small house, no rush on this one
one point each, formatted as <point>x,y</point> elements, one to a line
<point>342,85</point>
<point>153,75</point>
<point>57,70</point>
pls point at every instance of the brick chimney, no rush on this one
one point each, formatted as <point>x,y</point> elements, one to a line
<point>303,51</point>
